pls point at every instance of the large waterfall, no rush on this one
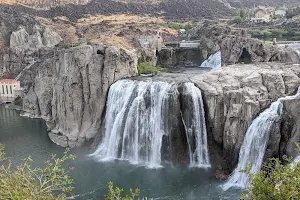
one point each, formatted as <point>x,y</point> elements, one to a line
<point>143,123</point>
<point>255,144</point>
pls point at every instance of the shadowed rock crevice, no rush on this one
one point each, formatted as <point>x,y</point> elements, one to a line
<point>245,57</point>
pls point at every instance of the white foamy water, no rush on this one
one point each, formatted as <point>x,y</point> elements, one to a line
<point>214,61</point>
<point>136,121</point>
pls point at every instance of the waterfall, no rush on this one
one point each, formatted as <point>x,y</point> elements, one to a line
<point>139,114</point>
<point>214,61</point>
<point>255,144</point>
<point>196,128</point>
<point>298,52</point>
<point>295,161</point>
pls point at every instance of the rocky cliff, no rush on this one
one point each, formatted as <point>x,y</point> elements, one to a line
<point>235,95</point>
<point>237,49</point>
<point>69,89</point>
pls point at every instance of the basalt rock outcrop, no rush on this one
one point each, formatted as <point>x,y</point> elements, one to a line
<point>237,49</point>
<point>290,128</point>
<point>21,40</point>
<point>180,57</point>
<point>235,95</point>
<point>69,89</point>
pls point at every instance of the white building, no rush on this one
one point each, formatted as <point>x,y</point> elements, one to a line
<point>258,19</point>
<point>9,88</point>
<point>280,12</point>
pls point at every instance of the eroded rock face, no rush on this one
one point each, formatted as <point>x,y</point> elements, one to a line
<point>241,49</point>
<point>69,90</point>
<point>235,95</point>
<point>21,40</point>
<point>291,128</point>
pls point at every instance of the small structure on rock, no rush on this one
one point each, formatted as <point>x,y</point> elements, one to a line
<point>9,89</point>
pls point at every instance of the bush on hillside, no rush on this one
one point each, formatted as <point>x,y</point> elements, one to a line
<point>277,182</point>
<point>237,20</point>
<point>176,26</point>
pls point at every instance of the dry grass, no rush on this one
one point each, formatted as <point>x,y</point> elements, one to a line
<point>63,28</point>
<point>121,19</point>
<point>8,1</point>
<point>119,30</point>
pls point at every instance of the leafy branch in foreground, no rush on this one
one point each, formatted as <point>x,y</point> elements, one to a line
<point>24,182</point>
<point>277,181</point>
<point>117,193</point>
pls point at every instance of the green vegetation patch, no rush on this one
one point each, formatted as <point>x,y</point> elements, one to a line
<point>147,68</point>
<point>277,181</point>
<point>238,20</point>
<point>178,26</point>
<point>278,33</point>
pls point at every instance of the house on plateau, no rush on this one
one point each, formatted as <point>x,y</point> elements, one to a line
<point>263,14</point>
<point>280,13</point>
<point>9,88</point>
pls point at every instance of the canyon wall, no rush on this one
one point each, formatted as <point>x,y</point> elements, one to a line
<point>68,88</point>
<point>235,95</point>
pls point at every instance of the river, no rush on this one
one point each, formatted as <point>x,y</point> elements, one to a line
<point>23,137</point>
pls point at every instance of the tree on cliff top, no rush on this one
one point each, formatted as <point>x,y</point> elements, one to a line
<point>277,181</point>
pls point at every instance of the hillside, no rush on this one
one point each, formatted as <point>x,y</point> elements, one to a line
<point>253,3</point>
<point>44,4</point>
<point>170,9</point>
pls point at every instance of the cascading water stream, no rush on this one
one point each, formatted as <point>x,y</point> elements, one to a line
<point>197,128</point>
<point>255,144</point>
<point>139,114</point>
<point>213,61</point>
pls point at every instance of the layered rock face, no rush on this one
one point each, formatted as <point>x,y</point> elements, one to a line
<point>236,94</point>
<point>236,47</point>
<point>290,128</point>
<point>180,57</point>
<point>242,49</point>
<point>69,89</point>
<point>21,40</point>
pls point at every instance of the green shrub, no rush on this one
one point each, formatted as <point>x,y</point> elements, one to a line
<point>237,20</point>
<point>256,32</point>
<point>89,42</point>
<point>176,26</point>
<point>277,182</point>
<point>27,183</point>
<point>147,68</point>
<point>278,32</point>
<point>115,193</point>
<point>243,14</point>
<point>189,26</point>
<point>267,33</point>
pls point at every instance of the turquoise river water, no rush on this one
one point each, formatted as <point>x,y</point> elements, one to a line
<point>23,137</point>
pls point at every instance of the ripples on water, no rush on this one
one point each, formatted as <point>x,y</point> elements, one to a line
<point>24,137</point>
